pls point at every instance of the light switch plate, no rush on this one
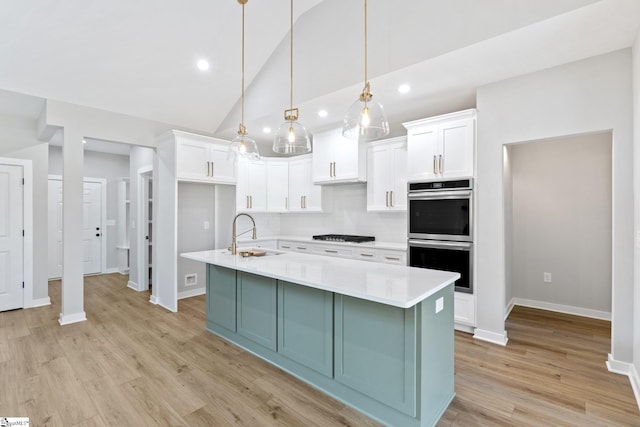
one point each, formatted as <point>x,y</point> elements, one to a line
<point>439,305</point>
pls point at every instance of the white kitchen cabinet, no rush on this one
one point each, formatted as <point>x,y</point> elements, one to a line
<point>203,159</point>
<point>251,189</point>
<point>304,195</point>
<point>464,309</point>
<point>387,175</point>
<point>442,146</point>
<point>337,159</point>
<point>277,185</point>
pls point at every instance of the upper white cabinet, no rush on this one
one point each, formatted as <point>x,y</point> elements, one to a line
<point>304,195</point>
<point>203,159</point>
<point>278,185</point>
<point>337,159</point>
<point>251,189</point>
<point>387,175</point>
<point>442,146</point>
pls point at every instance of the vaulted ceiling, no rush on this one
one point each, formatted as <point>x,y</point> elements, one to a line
<point>138,57</point>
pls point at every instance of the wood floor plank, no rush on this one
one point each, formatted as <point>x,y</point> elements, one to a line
<point>134,363</point>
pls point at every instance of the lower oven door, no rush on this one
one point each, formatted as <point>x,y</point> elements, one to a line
<point>447,256</point>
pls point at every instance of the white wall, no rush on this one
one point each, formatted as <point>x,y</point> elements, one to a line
<point>348,215</point>
<point>635,377</point>
<point>561,223</point>
<point>592,95</point>
<point>139,158</point>
<point>100,165</point>
<point>196,204</point>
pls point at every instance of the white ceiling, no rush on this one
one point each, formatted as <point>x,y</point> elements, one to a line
<point>138,57</point>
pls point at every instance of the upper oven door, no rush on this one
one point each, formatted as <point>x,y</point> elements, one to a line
<point>440,215</point>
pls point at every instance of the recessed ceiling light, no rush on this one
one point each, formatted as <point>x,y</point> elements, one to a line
<point>322,113</point>
<point>203,65</point>
<point>266,129</point>
<point>404,88</point>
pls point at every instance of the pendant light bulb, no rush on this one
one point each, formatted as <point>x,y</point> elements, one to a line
<point>291,137</point>
<point>368,121</point>
<point>242,145</point>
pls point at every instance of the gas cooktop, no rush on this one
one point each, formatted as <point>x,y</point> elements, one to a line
<point>344,238</point>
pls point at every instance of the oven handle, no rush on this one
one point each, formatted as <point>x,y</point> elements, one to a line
<point>439,194</point>
<point>462,246</point>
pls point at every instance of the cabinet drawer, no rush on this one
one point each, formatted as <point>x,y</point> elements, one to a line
<point>288,245</point>
<point>337,251</point>
<point>366,254</point>
<point>394,257</point>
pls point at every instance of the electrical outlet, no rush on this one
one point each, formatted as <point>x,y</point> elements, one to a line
<point>206,225</point>
<point>547,277</point>
<point>439,304</point>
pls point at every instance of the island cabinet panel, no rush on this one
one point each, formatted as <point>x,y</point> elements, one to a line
<point>305,326</point>
<point>221,297</point>
<point>369,336</point>
<point>257,309</point>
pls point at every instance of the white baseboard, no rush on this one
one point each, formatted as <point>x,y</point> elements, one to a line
<point>165,307</point>
<point>40,302</point>
<point>567,309</point>
<point>464,328</point>
<point>153,300</point>
<point>492,337</point>
<point>132,285</point>
<point>111,270</point>
<point>509,308</point>
<point>72,318</point>
<point>192,293</point>
<point>628,369</point>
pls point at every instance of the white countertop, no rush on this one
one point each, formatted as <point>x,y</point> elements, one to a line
<point>371,245</point>
<point>395,285</point>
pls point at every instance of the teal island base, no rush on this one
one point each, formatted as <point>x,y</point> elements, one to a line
<point>396,365</point>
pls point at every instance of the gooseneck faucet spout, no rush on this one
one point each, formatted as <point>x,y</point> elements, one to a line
<point>234,245</point>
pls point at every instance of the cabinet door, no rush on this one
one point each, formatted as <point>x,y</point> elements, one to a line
<point>257,309</point>
<point>305,326</point>
<point>242,186</point>
<point>222,170</point>
<point>422,153</point>
<point>257,186</point>
<point>298,183</point>
<point>398,177</point>
<point>457,148</point>
<point>193,160</point>
<point>277,186</point>
<point>378,178</point>
<point>323,156</point>
<point>221,297</point>
<point>345,158</point>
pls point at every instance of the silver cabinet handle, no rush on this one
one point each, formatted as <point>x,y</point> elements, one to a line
<point>330,251</point>
<point>386,198</point>
<point>366,254</point>
<point>301,248</point>
<point>392,258</point>
<point>440,164</point>
<point>304,198</point>
<point>247,202</point>
<point>286,202</point>
<point>285,247</point>
<point>435,171</point>
<point>331,170</point>
<point>334,169</point>
<point>251,202</point>
<point>391,198</point>
<point>212,171</point>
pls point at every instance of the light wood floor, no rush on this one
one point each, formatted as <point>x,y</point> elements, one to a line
<point>135,364</point>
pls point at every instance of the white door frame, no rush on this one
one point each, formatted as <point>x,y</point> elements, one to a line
<point>27,223</point>
<point>142,229</point>
<point>103,216</point>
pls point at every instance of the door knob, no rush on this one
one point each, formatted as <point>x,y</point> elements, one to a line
<point>97,234</point>
<point>97,228</point>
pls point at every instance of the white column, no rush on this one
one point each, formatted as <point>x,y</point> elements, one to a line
<point>73,218</point>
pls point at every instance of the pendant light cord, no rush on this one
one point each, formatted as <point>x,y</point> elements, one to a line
<point>365,42</point>
<point>291,64</point>
<point>242,101</point>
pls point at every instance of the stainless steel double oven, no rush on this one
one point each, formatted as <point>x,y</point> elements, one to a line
<point>440,227</point>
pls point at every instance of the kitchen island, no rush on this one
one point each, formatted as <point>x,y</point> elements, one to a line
<point>377,337</point>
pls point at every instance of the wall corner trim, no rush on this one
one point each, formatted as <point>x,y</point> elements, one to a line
<point>492,337</point>
<point>67,319</point>
<point>628,369</point>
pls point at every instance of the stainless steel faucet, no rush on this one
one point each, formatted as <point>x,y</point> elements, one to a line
<point>233,232</point>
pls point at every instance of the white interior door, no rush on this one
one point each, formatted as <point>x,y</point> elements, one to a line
<point>11,238</point>
<point>55,229</point>
<point>92,235</point>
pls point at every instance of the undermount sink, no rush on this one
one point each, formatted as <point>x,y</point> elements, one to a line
<point>255,252</point>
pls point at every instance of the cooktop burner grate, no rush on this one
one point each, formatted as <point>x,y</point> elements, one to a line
<point>344,238</point>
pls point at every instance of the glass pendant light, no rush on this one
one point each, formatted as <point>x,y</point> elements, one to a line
<point>365,119</point>
<point>291,137</point>
<point>242,145</point>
